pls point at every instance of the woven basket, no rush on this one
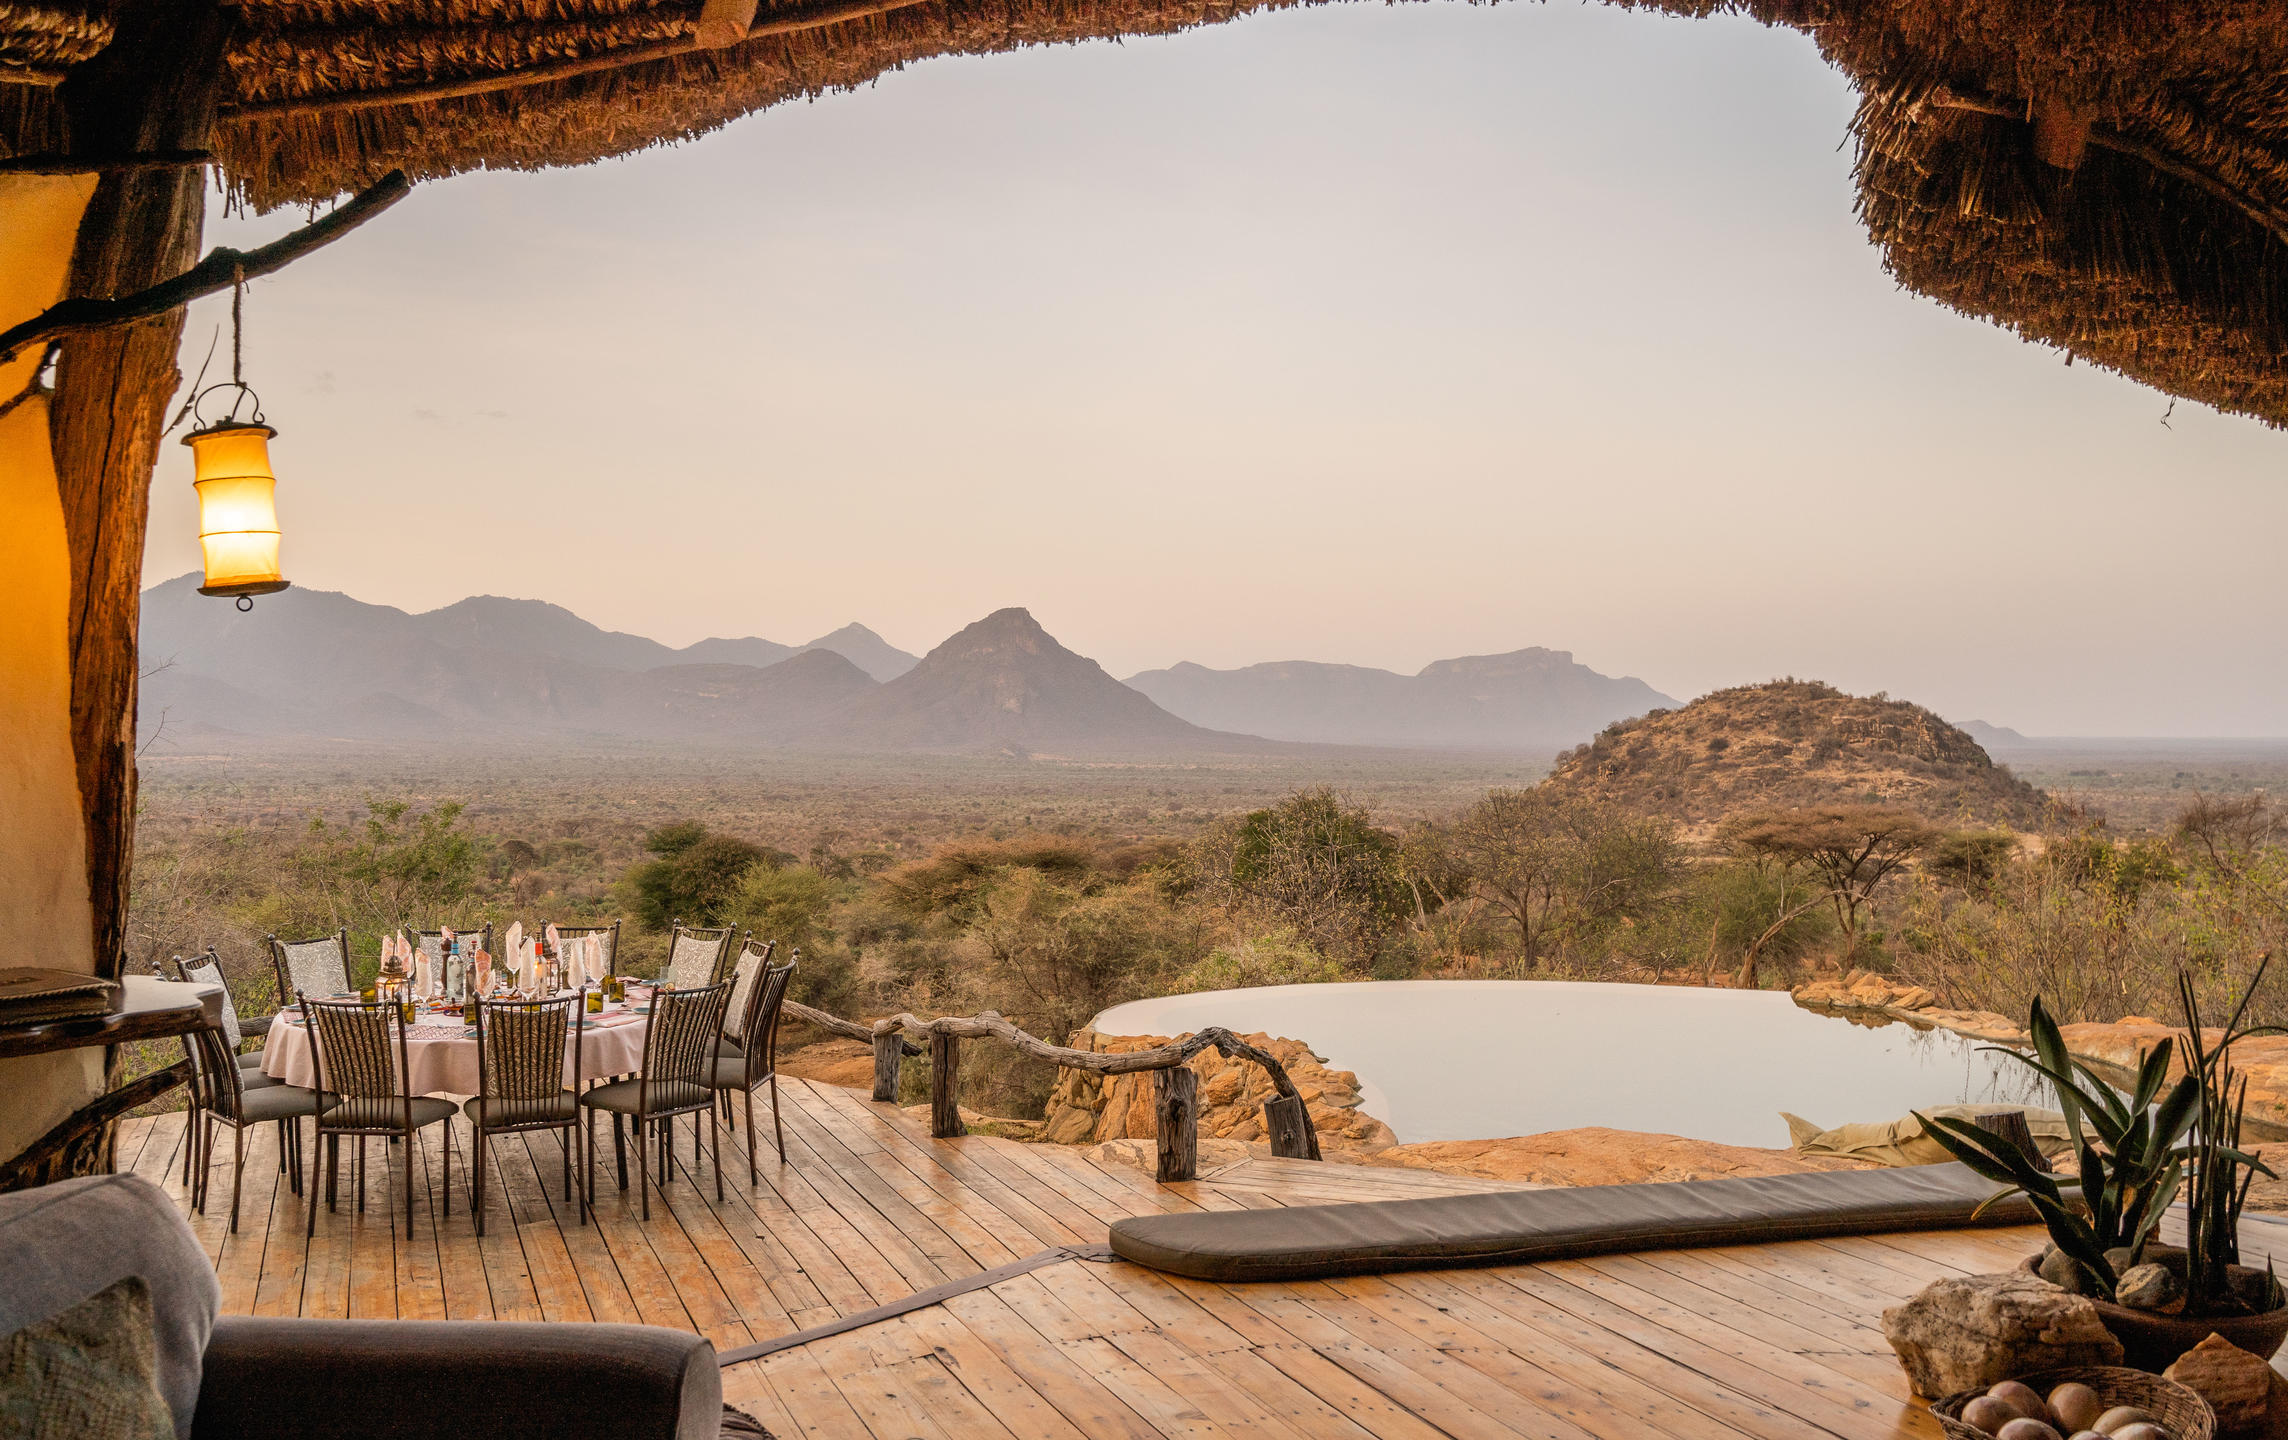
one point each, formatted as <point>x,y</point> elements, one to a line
<point>2183,1414</point>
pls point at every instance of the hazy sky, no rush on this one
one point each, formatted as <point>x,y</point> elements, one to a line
<point>1370,334</point>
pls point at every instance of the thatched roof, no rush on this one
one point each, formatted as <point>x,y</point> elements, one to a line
<point>2106,176</point>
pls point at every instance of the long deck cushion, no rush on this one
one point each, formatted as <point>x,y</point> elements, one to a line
<point>1517,1226</point>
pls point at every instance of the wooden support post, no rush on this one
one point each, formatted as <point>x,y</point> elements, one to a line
<point>2010,1127</point>
<point>945,1086</point>
<point>889,1057</point>
<point>1176,1119</point>
<point>1287,1120</point>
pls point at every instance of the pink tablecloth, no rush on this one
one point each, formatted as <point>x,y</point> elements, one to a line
<point>443,1058</point>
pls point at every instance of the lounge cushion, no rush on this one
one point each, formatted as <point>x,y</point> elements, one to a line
<point>65,1242</point>
<point>560,1108</point>
<point>1516,1226</point>
<point>621,1095</point>
<point>381,1112</point>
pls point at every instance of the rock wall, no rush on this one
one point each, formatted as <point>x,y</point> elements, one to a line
<point>1086,1108</point>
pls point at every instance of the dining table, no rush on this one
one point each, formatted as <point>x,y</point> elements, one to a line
<point>441,1051</point>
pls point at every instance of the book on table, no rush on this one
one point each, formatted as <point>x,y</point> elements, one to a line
<point>30,995</point>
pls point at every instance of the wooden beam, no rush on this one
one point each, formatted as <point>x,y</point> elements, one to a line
<point>217,272</point>
<point>101,165</point>
<point>155,88</point>
<point>1176,1123</point>
<point>945,1087</point>
<point>889,1058</point>
<point>76,1145</point>
<point>46,76</point>
<point>787,22</point>
<point>723,22</point>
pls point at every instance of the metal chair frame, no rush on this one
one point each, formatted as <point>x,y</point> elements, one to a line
<point>758,1053</point>
<point>233,1033</point>
<point>539,1050</point>
<point>361,1082</point>
<point>679,1049</point>
<point>214,1070</point>
<point>717,969</point>
<point>289,984</point>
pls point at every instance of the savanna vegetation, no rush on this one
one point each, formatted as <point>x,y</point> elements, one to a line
<point>1051,923</point>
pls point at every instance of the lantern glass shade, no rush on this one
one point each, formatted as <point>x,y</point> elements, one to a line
<point>238,510</point>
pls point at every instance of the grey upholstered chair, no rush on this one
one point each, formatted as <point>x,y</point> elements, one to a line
<point>757,1035</point>
<point>260,1377</point>
<point>520,1082</point>
<point>318,966</point>
<point>207,970</point>
<point>678,1078</point>
<point>225,1099</point>
<point>611,934</point>
<point>752,960</point>
<point>697,959</point>
<point>362,1073</point>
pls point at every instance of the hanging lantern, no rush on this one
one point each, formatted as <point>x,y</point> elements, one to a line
<point>238,494</point>
<point>238,509</point>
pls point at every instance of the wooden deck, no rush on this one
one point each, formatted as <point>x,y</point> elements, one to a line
<point>1779,1342</point>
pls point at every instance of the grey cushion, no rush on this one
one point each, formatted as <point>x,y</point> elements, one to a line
<point>385,1112</point>
<point>561,1107</point>
<point>68,1241</point>
<point>444,1380</point>
<point>728,1046</point>
<point>1517,1226</point>
<point>620,1096</point>
<point>277,1102</point>
<point>252,1060</point>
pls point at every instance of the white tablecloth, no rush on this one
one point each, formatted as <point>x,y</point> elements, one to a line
<point>443,1057</point>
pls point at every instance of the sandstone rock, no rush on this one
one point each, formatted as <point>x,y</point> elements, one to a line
<point>1598,1156</point>
<point>2275,1426</point>
<point>1087,1107</point>
<point>848,1063</point>
<point>1969,1332</point>
<point>2237,1385</point>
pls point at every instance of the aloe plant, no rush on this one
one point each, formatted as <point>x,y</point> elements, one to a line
<point>2136,1152</point>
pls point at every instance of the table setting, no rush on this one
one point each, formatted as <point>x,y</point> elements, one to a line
<point>436,995</point>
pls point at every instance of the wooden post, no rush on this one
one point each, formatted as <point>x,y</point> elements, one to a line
<point>157,86</point>
<point>1287,1120</point>
<point>889,1056</point>
<point>945,1086</point>
<point>2010,1127</point>
<point>1176,1119</point>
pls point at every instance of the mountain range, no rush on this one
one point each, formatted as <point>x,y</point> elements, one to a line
<point>313,663</point>
<point>1531,699</point>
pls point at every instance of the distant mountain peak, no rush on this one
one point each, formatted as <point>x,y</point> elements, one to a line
<point>1526,700</point>
<point>867,650</point>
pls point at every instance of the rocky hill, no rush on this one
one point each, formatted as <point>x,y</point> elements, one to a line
<point>1532,700</point>
<point>1795,742</point>
<point>1005,684</point>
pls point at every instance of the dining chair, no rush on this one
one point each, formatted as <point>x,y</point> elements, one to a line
<point>758,1031</point>
<point>319,966</point>
<point>697,958</point>
<point>520,1082</point>
<point>226,1099</point>
<point>753,960</point>
<point>362,1074</point>
<point>207,970</point>
<point>677,1078</point>
<point>611,934</point>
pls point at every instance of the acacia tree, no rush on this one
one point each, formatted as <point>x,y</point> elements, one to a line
<point>1316,864</point>
<point>1558,867</point>
<point>1852,849</point>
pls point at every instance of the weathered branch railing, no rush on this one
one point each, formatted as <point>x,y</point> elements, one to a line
<point>1286,1119</point>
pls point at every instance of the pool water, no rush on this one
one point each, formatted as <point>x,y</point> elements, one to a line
<point>1478,1059</point>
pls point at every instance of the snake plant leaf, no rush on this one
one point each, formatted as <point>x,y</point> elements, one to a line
<point>2153,1073</point>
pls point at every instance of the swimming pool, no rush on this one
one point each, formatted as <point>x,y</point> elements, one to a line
<point>1476,1059</point>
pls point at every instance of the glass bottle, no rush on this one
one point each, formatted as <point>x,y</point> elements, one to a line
<point>456,979</point>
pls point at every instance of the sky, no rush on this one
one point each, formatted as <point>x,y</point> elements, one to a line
<point>1370,334</point>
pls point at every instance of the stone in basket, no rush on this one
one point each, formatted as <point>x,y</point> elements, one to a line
<point>2168,1409</point>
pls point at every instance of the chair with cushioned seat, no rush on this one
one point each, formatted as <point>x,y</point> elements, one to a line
<point>610,934</point>
<point>431,944</point>
<point>756,1017</point>
<point>678,1078</point>
<point>753,959</point>
<point>318,966</point>
<point>207,970</point>
<point>520,1082</point>
<point>363,1076</point>
<point>224,1098</point>
<point>697,959</point>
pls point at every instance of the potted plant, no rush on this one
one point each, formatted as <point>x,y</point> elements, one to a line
<point>2138,1153</point>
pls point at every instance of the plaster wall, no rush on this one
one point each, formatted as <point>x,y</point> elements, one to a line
<point>44,913</point>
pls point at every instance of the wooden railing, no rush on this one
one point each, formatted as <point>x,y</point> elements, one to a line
<point>1176,1104</point>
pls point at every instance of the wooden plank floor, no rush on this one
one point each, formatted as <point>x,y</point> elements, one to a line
<point>1778,1342</point>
